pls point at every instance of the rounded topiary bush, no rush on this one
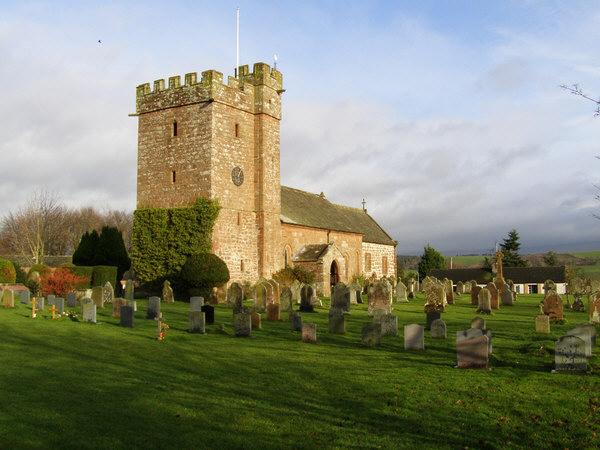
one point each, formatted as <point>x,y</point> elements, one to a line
<point>8,273</point>
<point>202,272</point>
<point>41,269</point>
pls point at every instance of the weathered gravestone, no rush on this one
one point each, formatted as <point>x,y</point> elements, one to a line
<point>235,297</point>
<point>309,333</point>
<point>506,295</point>
<point>273,312</point>
<point>354,289</point>
<point>449,289</point>
<point>256,320</point>
<point>129,290</point>
<point>472,352</point>
<point>50,299</point>
<point>595,318</point>
<point>153,308</point>
<point>108,293</point>
<point>295,288</point>
<point>286,300</point>
<point>478,323</point>
<point>296,321</point>
<point>553,306</point>
<point>71,300</point>
<point>430,317</point>
<point>39,303</point>
<point>25,297</point>
<point>476,332</point>
<point>438,329</point>
<point>594,306</point>
<point>587,333</point>
<point>242,323</point>
<point>60,305</point>
<point>117,303</point>
<point>89,310</point>
<point>389,324</point>
<point>485,298</point>
<point>542,324</point>
<point>475,294</point>
<point>569,354</point>
<point>401,292</point>
<point>209,314</point>
<point>197,322</point>
<point>460,288</point>
<point>97,296</point>
<point>337,321</point>
<point>494,296</point>
<point>414,337</point>
<point>371,334</point>
<point>379,297</point>
<point>196,303</point>
<point>306,295</point>
<point>8,298</point>
<point>262,295</point>
<point>127,316</point>
<point>167,292</point>
<point>340,297</point>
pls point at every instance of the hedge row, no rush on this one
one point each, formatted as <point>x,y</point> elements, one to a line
<point>162,239</point>
<point>97,275</point>
<point>8,273</point>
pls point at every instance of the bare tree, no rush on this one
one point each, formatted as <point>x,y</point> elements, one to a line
<point>37,229</point>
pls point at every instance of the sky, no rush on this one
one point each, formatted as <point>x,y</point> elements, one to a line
<point>445,116</point>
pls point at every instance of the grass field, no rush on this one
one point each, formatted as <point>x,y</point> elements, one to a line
<point>67,384</point>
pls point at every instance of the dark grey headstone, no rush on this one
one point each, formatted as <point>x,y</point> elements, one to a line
<point>296,321</point>
<point>25,297</point>
<point>60,305</point>
<point>71,300</point>
<point>438,329</point>
<point>39,303</point>
<point>153,308</point>
<point>306,296</point>
<point>431,316</point>
<point>127,316</point>
<point>242,323</point>
<point>50,299</point>
<point>371,334</point>
<point>337,321</point>
<point>209,314</point>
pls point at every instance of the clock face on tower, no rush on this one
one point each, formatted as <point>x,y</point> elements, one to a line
<point>237,176</point>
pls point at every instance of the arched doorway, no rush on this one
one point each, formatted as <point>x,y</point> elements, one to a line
<point>334,274</point>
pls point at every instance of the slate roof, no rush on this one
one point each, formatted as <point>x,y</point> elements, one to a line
<point>312,252</point>
<point>518,275</point>
<point>315,211</point>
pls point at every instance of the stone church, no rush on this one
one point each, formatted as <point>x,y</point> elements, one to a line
<point>205,138</point>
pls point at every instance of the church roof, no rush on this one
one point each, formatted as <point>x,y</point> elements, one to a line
<point>315,211</point>
<point>311,252</point>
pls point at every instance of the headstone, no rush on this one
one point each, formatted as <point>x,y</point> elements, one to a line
<point>129,290</point>
<point>389,324</point>
<point>401,292</point>
<point>379,297</point>
<point>256,320</point>
<point>209,314</point>
<point>371,334</point>
<point>553,306</point>
<point>286,300</point>
<point>542,324</point>
<point>378,313</point>
<point>478,322</point>
<point>260,295</point>
<point>127,316</point>
<point>153,308</point>
<point>25,297</point>
<point>197,323</point>
<point>594,306</point>
<point>309,333</point>
<point>472,352</point>
<point>60,305</point>
<point>475,294</point>
<point>273,312</point>
<point>595,318</point>
<point>485,299</point>
<point>235,297</point>
<point>431,316</point>
<point>295,288</point>
<point>587,333</point>
<point>116,306</point>
<point>39,303</point>
<point>242,323</point>
<point>414,338</point>
<point>50,299</point>
<point>167,293</point>
<point>306,295</point>
<point>71,300</point>
<point>460,288</point>
<point>340,297</point>
<point>108,293</point>
<point>438,329</point>
<point>8,298</point>
<point>337,321</point>
<point>506,295</point>
<point>196,303</point>
<point>89,311</point>
<point>449,288</point>
<point>494,296</point>
<point>296,321</point>
<point>353,287</point>
<point>569,354</point>
<point>97,296</point>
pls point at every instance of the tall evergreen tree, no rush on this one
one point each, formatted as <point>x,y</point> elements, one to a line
<point>111,250</point>
<point>510,249</point>
<point>550,259</point>
<point>430,259</point>
<point>85,254</point>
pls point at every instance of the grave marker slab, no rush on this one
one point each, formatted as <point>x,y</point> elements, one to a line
<point>273,312</point>
<point>153,308</point>
<point>25,297</point>
<point>472,352</point>
<point>39,303</point>
<point>285,300</point>
<point>309,333</point>
<point>340,297</point>
<point>389,325</point>
<point>431,316</point>
<point>116,306</point>
<point>196,303</point>
<point>478,322</point>
<point>60,305</point>
<point>569,355</point>
<point>167,293</point>
<point>506,295</point>
<point>71,300</point>
<point>8,298</point>
<point>371,334</point>
<point>438,329</point>
<point>296,321</point>
<point>306,298</point>
<point>414,337</point>
<point>108,292</point>
<point>97,296</point>
<point>587,335</point>
<point>197,323</point>
<point>256,320</point>
<point>337,321</point>
<point>242,323</point>
<point>89,311</point>
<point>209,314</point>
<point>127,316</point>
<point>553,306</point>
<point>542,324</point>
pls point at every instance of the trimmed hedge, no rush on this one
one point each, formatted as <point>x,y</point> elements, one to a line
<point>163,239</point>
<point>203,272</point>
<point>8,273</point>
<point>41,269</point>
<point>102,274</point>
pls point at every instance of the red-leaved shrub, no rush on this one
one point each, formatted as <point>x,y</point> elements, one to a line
<point>61,281</point>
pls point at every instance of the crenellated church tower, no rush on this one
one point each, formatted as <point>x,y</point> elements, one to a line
<point>204,138</point>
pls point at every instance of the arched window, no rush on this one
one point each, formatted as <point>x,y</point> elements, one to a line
<point>287,256</point>
<point>174,128</point>
<point>367,262</point>
<point>384,265</point>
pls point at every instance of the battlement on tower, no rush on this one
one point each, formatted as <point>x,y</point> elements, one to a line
<point>241,92</point>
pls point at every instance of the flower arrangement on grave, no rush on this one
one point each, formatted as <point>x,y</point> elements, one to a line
<point>162,330</point>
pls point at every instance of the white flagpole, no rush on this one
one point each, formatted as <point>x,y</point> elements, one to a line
<point>237,40</point>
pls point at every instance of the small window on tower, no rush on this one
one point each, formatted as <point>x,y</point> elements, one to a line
<point>237,130</point>
<point>239,218</point>
<point>241,265</point>
<point>173,176</point>
<point>174,128</point>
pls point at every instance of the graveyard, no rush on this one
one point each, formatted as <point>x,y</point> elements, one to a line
<point>72,384</point>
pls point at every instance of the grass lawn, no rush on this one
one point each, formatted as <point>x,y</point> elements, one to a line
<point>67,384</point>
